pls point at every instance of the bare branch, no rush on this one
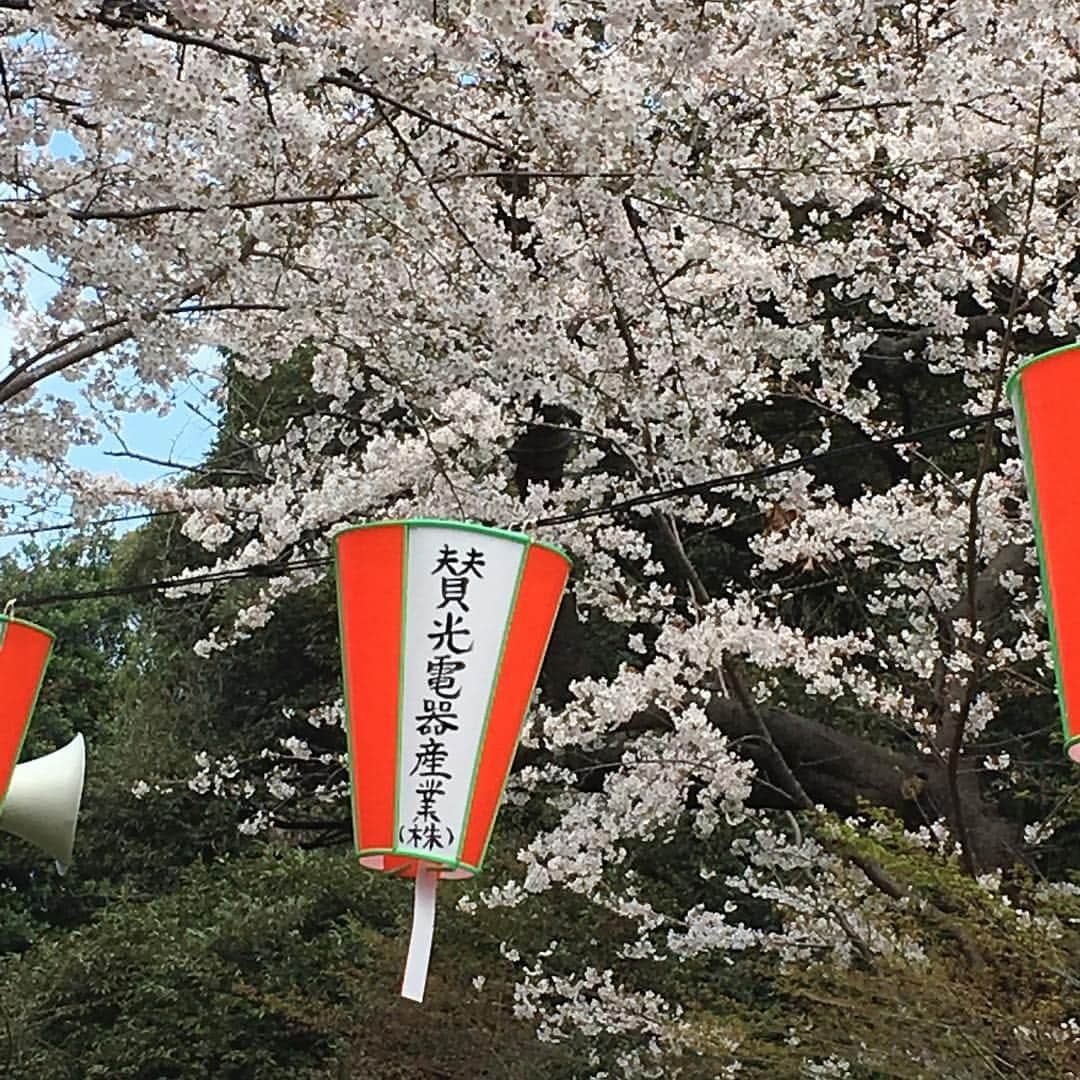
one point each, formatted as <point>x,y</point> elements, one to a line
<point>120,214</point>
<point>238,305</point>
<point>168,463</point>
<point>543,174</point>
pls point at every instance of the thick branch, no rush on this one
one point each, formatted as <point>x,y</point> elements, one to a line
<point>844,773</point>
<point>180,37</point>
<point>23,380</point>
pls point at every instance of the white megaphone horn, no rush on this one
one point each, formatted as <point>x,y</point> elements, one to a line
<point>42,804</point>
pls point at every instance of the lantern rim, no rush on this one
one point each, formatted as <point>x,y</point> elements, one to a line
<point>27,623</point>
<point>444,864</point>
<point>1014,378</point>
<point>467,526</point>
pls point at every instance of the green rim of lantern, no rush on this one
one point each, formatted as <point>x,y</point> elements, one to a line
<point>468,526</point>
<point>407,524</point>
<point>1014,379</point>
<point>442,860</point>
<point>1015,390</point>
<point>4,621</point>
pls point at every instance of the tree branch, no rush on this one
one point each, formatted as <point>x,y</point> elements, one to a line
<point>956,741</point>
<point>27,208</point>
<point>135,213</point>
<point>182,37</point>
<point>345,79</point>
<point>407,150</point>
<point>350,82</point>
<point>26,376</point>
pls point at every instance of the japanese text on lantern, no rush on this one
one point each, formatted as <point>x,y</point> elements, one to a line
<point>437,723</point>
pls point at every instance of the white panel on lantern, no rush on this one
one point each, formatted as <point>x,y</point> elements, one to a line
<point>458,595</point>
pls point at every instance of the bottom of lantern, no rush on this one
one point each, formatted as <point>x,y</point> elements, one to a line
<point>1072,747</point>
<point>408,866</point>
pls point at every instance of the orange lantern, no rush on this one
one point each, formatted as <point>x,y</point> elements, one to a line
<point>40,798</point>
<point>24,652</point>
<point>443,629</point>
<point>1045,394</point>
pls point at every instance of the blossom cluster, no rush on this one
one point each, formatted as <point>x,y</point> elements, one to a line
<point>698,241</point>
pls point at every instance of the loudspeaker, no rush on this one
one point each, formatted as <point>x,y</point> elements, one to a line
<point>42,804</point>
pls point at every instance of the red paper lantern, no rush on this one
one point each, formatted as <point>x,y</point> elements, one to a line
<point>24,652</point>
<point>1045,394</point>
<point>443,629</point>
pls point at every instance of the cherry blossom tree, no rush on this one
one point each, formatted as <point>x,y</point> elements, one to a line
<point>541,259</point>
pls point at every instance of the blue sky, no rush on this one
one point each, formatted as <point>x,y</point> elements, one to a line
<point>181,435</point>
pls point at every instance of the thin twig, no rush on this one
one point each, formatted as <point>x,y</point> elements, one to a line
<point>634,220</point>
<point>409,153</point>
<point>349,82</point>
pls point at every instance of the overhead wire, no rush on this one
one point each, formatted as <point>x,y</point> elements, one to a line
<point>74,523</point>
<point>284,567</point>
<point>766,471</point>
